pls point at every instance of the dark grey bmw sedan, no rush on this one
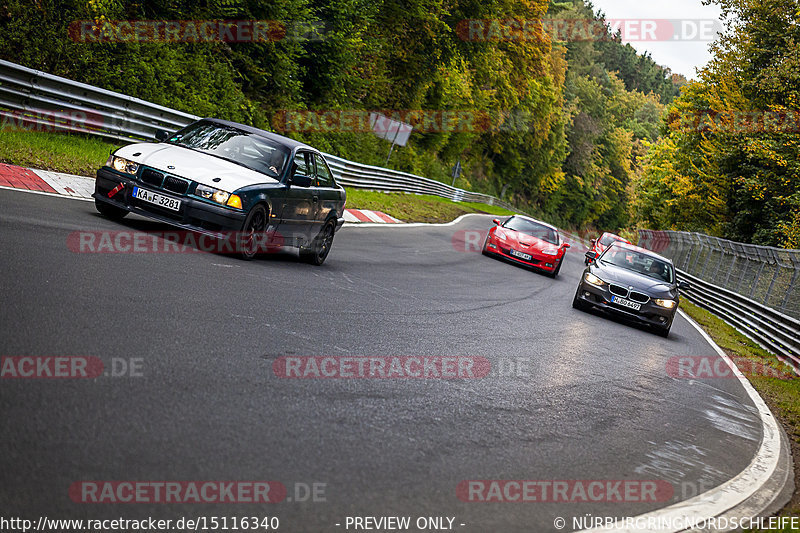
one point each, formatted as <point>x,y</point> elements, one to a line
<point>632,282</point>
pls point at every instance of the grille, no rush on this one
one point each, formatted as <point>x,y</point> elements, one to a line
<point>618,290</point>
<point>639,297</point>
<point>171,183</point>
<point>151,177</point>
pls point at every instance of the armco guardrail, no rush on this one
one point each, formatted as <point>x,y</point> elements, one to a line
<point>704,256</point>
<point>62,104</point>
<point>56,102</point>
<point>765,274</point>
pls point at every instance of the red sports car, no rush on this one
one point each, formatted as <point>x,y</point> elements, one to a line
<point>528,242</point>
<point>598,246</point>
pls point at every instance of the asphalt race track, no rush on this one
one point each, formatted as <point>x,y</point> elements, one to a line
<point>570,395</point>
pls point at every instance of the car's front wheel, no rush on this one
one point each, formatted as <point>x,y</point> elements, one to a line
<point>577,303</point>
<point>253,233</point>
<point>558,268</point>
<point>664,331</point>
<point>320,247</point>
<point>109,211</point>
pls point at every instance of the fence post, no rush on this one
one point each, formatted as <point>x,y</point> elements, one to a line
<point>758,277</point>
<point>774,277</point>
<point>791,289</point>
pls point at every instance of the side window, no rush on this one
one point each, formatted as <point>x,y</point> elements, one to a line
<point>302,162</point>
<point>324,177</point>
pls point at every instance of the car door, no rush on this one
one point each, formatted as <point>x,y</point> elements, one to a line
<point>298,209</point>
<point>325,195</point>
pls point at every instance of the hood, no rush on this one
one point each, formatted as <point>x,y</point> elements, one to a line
<point>622,276</point>
<point>193,165</point>
<point>523,241</point>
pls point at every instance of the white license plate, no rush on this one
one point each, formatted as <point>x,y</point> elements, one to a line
<point>157,199</point>
<point>626,303</point>
<point>515,253</point>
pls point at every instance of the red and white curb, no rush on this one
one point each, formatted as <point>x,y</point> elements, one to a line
<point>366,215</point>
<point>46,181</point>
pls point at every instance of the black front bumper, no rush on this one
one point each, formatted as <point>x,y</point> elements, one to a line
<point>193,215</point>
<point>650,313</point>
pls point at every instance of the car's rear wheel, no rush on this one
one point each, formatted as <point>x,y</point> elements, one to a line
<point>252,238</point>
<point>109,211</point>
<point>320,247</point>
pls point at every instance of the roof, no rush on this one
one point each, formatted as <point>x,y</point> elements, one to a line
<point>286,141</point>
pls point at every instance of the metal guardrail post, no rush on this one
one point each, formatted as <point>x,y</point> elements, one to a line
<point>689,246</point>
<point>791,289</point>
<point>731,267</point>
<point>774,277</point>
<point>758,278</point>
<point>711,250</point>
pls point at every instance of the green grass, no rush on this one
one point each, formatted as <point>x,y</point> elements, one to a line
<point>416,207</point>
<point>781,395</point>
<point>73,154</point>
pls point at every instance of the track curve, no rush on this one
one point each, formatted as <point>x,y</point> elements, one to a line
<point>589,398</point>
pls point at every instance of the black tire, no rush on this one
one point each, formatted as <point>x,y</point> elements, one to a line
<point>109,211</point>
<point>558,269</point>
<point>485,249</point>
<point>664,332</point>
<point>250,243</point>
<point>577,303</point>
<point>320,246</point>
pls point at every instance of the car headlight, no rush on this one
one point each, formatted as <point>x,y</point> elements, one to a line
<point>669,304</point>
<point>550,251</point>
<point>122,165</point>
<point>499,236</point>
<point>218,196</point>
<point>594,280</point>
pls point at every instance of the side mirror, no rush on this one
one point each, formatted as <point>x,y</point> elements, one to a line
<point>162,135</point>
<point>300,180</point>
<point>496,221</point>
<point>591,256</point>
<point>566,245</point>
<point>684,285</point>
<point>591,243</point>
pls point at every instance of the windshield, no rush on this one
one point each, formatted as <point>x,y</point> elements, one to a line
<point>532,228</point>
<point>639,262</point>
<point>234,145</point>
<point>608,238</point>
